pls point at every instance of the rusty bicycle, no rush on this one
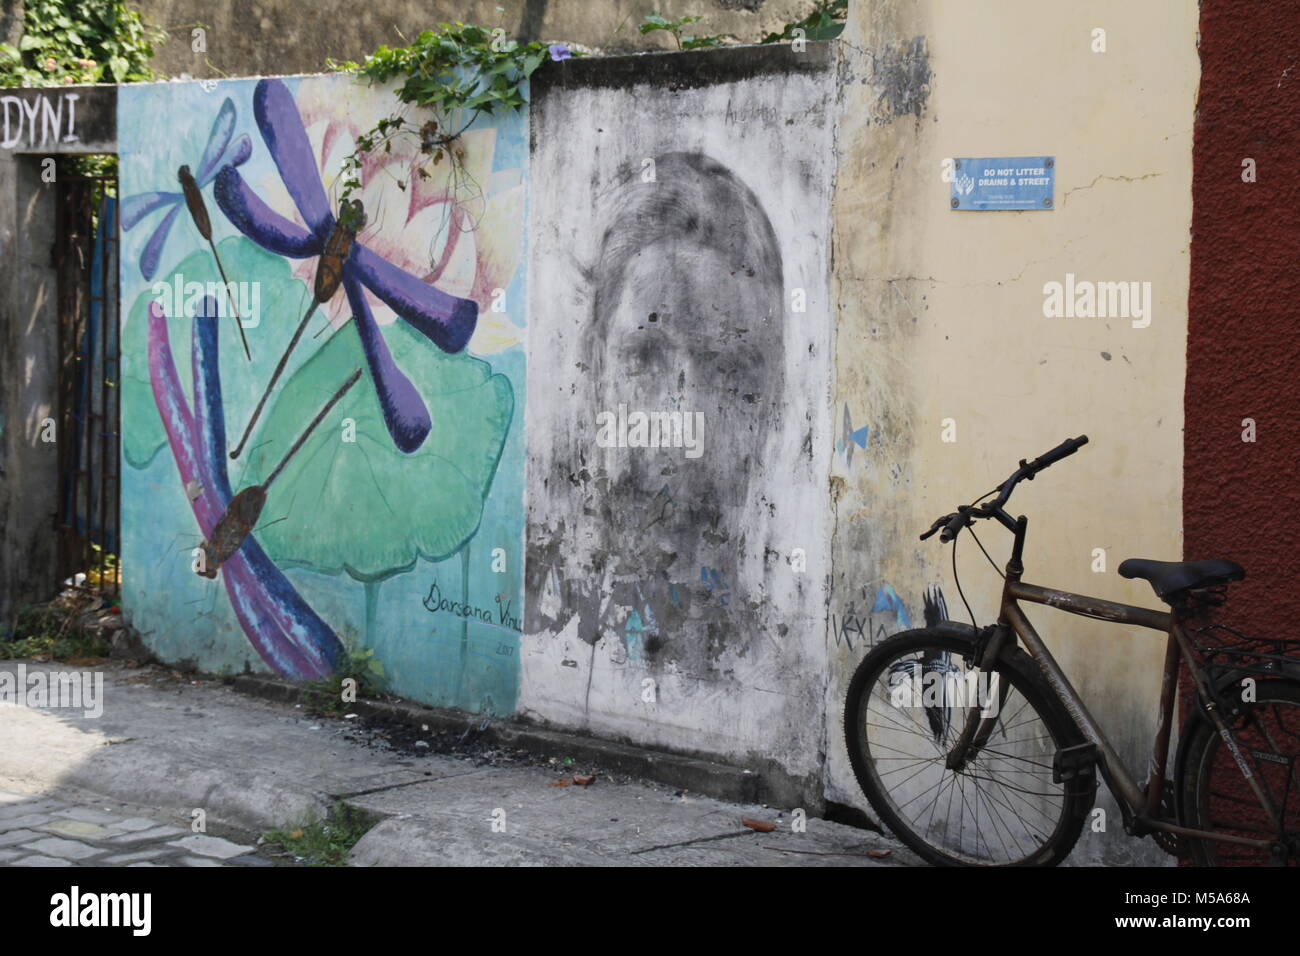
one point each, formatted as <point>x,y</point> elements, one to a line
<point>975,749</point>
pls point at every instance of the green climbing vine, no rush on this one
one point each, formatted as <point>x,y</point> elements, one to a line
<point>461,72</point>
<point>79,41</point>
<point>826,22</point>
<point>68,42</point>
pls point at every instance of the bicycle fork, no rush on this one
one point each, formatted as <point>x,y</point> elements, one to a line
<point>979,726</point>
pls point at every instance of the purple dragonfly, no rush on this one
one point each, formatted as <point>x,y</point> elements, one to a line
<point>290,636</point>
<point>446,320</point>
<point>218,153</point>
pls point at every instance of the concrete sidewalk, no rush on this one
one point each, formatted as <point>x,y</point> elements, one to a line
<point>173,744</point>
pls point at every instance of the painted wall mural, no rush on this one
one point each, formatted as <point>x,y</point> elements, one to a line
<point>322,428</point>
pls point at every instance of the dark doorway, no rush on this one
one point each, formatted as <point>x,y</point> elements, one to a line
<point>85,258</point>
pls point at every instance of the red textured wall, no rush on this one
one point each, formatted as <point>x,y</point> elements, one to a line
<point>1241,500</point>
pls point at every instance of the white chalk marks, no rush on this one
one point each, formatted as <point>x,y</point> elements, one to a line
<point>39,119</point>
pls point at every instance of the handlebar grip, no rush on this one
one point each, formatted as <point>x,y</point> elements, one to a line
<point>954,526</point>
<point>1063,450</point>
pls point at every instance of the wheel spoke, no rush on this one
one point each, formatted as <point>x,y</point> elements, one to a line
<point>1001,806</point>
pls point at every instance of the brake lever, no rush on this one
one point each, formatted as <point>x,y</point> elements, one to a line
<point>939,523</point>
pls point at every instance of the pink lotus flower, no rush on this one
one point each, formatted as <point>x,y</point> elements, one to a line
<point>460,229</point>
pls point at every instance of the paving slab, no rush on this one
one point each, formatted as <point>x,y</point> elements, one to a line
<point>63,849</point>
<point>134,825</point>
<point>41,861</point>
<point>145,836</point>
<point>14,837</point>
<point>75,828</point>
<point>26,821</point>
<point>28,805</point>
<point>122,859</point>
<point>204,845</point>
<point>87,815</point>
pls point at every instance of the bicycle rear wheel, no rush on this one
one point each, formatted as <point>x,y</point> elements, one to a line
<point>1217,797</point>
<point>1002,808</point>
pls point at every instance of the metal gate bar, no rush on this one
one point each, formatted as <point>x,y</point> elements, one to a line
<point>85,257</point>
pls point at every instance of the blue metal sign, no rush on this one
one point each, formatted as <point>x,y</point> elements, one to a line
<point>1003,182</point>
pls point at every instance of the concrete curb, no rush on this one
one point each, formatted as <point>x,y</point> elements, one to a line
<point>246,802</point>
<point>721,781</point>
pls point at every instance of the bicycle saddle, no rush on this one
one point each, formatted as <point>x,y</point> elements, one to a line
<point>1169,577</point>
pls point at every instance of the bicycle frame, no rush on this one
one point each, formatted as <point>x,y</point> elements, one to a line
<point>1142,808</point>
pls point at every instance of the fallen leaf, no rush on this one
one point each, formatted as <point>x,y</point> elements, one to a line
<point>584,781</point>
<point>562,782</point>
<point>879,854</point>
<point>762,826</point>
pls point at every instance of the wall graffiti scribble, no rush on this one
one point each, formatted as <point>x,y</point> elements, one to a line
<point>887,614</point>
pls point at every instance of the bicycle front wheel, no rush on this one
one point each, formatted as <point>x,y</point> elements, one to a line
<point>907,705</point>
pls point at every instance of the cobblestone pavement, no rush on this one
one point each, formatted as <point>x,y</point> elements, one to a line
<point>45,830</point>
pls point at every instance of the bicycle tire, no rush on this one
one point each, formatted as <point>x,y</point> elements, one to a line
<point>1051,846</point>
<point>1212,785</point>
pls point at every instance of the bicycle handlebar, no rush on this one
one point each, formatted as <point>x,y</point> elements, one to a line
<point>1064,450</point>
<point>965,514</point>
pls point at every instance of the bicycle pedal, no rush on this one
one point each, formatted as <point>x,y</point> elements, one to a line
<point>1075,763</point>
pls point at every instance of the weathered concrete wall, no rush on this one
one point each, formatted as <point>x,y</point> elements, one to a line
<point>941,317</point>
<point>269,37</point>
<point>28,387</point>
<point>680,237</point>
<point>398,527</point>
<point>34,125</point>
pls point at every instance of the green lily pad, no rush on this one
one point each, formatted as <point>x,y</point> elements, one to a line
<point>349,500</point>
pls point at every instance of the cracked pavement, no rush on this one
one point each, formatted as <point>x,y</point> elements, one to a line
<point>168,744</point>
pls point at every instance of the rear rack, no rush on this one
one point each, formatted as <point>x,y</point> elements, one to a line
<point>1223,648</point>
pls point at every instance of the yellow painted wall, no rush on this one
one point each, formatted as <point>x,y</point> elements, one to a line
<point>940,315</point>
